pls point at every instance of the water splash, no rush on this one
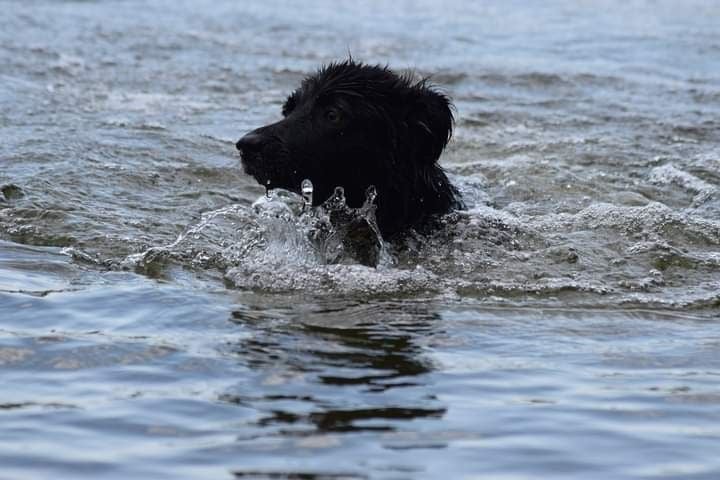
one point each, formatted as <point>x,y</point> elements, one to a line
<point>347,235</point>
<point>280,229</point>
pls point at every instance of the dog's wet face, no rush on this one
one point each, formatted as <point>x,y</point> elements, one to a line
<point>325,136</point>
<point>353,125</point>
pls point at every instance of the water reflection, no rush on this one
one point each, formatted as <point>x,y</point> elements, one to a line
<point>337,367</point>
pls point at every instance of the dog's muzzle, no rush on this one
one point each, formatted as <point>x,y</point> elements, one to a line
<point>250,145</point>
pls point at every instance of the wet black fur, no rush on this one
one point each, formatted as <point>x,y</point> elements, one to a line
<point>355,125</point>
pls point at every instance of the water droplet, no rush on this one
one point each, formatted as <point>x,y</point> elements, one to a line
<point>370,194</point>
<point>306,187</point>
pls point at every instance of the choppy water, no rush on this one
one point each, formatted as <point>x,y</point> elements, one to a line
<point>566,326</point>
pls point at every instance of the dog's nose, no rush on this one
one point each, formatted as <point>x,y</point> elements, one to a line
<point>251,142</point>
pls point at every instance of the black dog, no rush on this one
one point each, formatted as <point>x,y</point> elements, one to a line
<point>355,125</point>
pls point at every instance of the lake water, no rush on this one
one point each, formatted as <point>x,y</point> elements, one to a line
<point>566,326</point>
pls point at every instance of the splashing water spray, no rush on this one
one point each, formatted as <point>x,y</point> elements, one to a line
<point>342,234</point>
<point>279,224</point>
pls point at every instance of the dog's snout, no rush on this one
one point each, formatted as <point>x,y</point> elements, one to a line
<point>252,142</point>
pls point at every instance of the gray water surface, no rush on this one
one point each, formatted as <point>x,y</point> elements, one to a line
<point>567,325</point>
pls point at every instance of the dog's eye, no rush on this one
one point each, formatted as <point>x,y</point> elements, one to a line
<point>333,116</point>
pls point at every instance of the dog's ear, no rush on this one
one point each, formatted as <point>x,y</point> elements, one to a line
<point>430,122</point>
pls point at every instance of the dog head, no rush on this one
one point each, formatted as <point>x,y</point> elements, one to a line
<point>355,125</point>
